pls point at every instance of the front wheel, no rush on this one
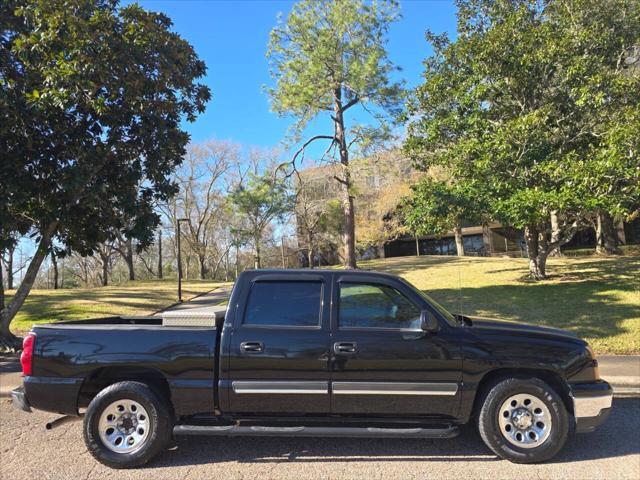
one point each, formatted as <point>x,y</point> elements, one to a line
<point>127,424</point>
<point>523,420</point>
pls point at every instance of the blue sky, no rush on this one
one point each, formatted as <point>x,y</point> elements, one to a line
<point>231,37</point>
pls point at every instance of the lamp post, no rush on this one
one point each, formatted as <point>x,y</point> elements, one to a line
<point>180,260</point>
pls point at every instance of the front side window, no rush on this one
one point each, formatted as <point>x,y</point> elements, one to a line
<point>287,304</point>
<point>376,306</point>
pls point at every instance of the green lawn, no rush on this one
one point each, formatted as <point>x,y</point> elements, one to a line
<point>132,298</point>
<point>598,298</point>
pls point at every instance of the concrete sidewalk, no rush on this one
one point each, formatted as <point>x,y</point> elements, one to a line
<point>621,371</point>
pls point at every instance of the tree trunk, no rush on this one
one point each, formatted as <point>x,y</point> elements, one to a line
<point>556,233</point>
<point>537,256</point>
<point>348,237</point>
<point>10,252</point>
<point>459,241</point>
<point>8,312</point>
<point>129,259</point>
<point>310,249</point>
<point>256,260</point>
<point>606,235</point>
<point>237,261</point>
<point>54,263</point>
<point>310,256</point>
<point>349,234</point>
<point>104,258</point>
<point>202,261</point>
<point>226,266</point>
<point>417,246</point>
<point>160,255</point>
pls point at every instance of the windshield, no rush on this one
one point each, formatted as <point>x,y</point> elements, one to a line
<point>443,311</point>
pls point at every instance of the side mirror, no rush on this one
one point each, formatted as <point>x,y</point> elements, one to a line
<point>428,322</point>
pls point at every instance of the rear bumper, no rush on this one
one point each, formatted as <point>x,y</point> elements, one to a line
<point>592,404</point>
<point>53,394</point>
<point>20,399</point>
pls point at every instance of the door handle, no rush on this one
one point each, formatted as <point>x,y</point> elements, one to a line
<point>345,347</point>
<point>252,347</point>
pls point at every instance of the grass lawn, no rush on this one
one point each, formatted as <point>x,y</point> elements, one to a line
<point>598,298</point>
<point>132,298</point>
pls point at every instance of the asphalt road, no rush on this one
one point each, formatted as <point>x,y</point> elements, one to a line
<point>28,451</point>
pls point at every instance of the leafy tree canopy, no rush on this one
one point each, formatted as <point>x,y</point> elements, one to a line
<point>533,101</point>
<point>260,200</point>
<point>91,100</point>
<point>333,48</point>
<point>438,207</point>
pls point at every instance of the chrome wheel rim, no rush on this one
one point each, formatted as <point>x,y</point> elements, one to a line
<point>525,420</point>
<point>124,426</point>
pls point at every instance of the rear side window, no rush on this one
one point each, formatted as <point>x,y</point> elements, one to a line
<point>285,304</point>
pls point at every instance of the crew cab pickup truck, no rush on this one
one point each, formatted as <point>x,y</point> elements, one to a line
<point>315,353</point>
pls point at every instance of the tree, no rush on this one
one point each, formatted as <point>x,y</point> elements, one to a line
<point>312,215</point>
<point>202,181</point>
<point>328,58</point>
<point>523,101</point>
<point>439,207</point>
<point>258,201</point>
<point>92,97</point>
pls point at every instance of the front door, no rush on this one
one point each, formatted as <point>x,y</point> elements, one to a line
<point>383,364</point>
<point>279,350</point>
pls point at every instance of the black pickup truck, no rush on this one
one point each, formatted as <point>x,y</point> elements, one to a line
<point>315,353</point>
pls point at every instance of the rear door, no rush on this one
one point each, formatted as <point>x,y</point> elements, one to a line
<point>382,363</point>
<point>279,348</point>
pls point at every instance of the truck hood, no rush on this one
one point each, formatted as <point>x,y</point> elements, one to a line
<point>500,327</point>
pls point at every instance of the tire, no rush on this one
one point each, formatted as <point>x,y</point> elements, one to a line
<point>127,424</point>
<point>523,432</point>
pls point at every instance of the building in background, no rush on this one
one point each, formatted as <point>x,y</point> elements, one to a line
<point>380,181</point>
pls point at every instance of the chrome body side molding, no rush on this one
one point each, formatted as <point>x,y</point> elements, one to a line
<point>393,388</point>
<point>288,388</point>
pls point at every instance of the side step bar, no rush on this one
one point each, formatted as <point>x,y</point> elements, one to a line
<point>361,432</point>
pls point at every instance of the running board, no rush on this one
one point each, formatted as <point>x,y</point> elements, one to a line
<point>361,432</point>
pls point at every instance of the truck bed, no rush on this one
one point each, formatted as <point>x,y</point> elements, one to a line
<point>80,357</point>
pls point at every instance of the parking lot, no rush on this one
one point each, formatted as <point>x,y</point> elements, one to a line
<point>28,451</point>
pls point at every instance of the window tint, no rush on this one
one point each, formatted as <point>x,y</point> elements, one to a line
<point>375,306</point>
<point>291,304</point>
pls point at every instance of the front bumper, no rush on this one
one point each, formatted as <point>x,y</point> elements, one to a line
<point>591,404</point>
<point>20,399</point>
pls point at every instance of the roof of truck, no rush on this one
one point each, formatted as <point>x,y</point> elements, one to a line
<point>308,271</point>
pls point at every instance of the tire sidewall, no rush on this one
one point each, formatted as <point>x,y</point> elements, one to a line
<point>159,424</point>
<point>490,430</point>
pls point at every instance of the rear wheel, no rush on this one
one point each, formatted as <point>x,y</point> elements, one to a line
<point>127,424</point>
<point>523,420</point>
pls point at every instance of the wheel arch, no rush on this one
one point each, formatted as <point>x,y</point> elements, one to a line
<point>100,378</point>
<point>494,377</point>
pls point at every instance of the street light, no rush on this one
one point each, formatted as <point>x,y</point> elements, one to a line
<point>180,260</point>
